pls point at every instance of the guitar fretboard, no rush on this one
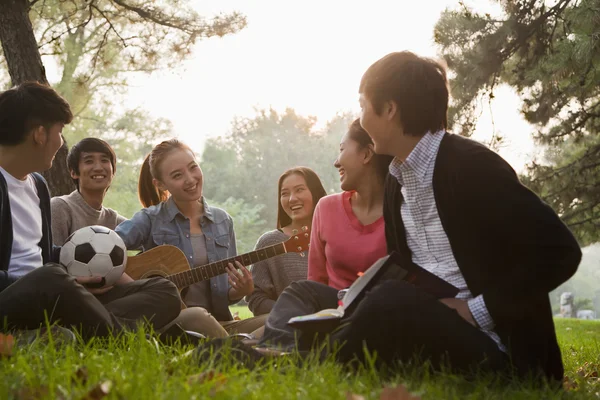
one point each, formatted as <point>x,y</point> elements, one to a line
<point>205,272</point>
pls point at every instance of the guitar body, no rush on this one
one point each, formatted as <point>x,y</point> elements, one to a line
<point>171,263</point>
<point>162,261</point>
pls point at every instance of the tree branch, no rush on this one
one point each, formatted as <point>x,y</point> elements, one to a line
<point>145,14</point>
<point>110,25</point>
<point>81,25</point>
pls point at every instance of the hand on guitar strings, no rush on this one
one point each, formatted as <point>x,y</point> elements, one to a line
<point>240,280</point>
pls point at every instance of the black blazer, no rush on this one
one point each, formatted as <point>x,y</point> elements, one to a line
<point>49,251</point>
<point>509,245</point>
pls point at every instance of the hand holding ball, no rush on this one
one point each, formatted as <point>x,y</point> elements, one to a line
<point>95,251</point>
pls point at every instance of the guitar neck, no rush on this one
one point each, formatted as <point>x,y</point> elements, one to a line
<point>205,272</point>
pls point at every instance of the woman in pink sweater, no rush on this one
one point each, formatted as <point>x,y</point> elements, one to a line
<point>348,233</point>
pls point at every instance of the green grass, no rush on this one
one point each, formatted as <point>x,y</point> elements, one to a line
<point>142,369</point>
<point>243,311</point>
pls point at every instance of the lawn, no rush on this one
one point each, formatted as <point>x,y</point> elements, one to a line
<point>135,368</point>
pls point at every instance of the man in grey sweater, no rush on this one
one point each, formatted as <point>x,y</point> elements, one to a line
<point>92,165</point>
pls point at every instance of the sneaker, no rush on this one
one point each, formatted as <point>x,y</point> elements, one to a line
<point>57,334</point>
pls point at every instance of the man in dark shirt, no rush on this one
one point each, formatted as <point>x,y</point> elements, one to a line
<point>457,209</point>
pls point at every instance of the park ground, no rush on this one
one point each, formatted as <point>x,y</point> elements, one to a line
<point>132,367</point>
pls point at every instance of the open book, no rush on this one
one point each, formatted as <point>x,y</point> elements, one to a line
<point>390,267</point>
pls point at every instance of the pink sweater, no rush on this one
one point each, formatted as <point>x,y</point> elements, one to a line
<point>340,246</point>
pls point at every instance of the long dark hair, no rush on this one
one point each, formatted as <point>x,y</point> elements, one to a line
<point>359,135</point>
<point>148,193</point>
<point>312,182</point>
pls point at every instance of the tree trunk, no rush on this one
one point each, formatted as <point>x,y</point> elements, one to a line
<point>25,64</point>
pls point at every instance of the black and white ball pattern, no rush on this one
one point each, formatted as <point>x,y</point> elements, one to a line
<point>95,251</point>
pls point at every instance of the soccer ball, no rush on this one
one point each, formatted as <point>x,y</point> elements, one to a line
<point>95,251</point>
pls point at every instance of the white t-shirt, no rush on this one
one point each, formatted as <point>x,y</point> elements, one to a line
<point>26,215</point>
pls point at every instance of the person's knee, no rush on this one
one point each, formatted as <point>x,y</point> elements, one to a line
<point>298,286</point>
<point>166,294</point>
<point>397,298</point>
<point>307,288</point>
<point>194,313</point>
<point>199,320</point>
<point>53,276</point>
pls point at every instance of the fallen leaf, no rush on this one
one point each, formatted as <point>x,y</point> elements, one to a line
<point>568,384</point>
<point>7,342</point>
<point>81,375</point>
<point>99,391</point>
<point>352,396</point>
<point>397,393</point>
<point>588,370</point>
<point>208,376</point>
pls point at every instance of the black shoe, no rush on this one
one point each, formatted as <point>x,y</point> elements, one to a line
<point>226,349</point>
<point>176,333</point>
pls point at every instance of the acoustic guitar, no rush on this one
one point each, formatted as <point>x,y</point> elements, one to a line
<point>171,263</point>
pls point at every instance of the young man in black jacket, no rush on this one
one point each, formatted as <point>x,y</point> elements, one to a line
<point>457,209</point>
<point>33,287</point>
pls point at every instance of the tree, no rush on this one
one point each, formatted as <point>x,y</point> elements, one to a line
<point>247,164</point>
<point>96,44</point>
<point>548,53</point>
<point>25,64</point>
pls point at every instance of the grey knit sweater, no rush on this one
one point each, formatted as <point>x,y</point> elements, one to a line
<point>72,212</point>
<point>275,274</point>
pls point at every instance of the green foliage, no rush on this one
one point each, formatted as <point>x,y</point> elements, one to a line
<point>247,164</point>
<point>547,52</point>
<point>583,304</point>
<point>143,369</point>
<point>96,47</point>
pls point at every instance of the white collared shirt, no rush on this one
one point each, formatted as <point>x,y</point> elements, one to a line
<point>425,234</point>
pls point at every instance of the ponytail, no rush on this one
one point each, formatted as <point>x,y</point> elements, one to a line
<point>148,193</point>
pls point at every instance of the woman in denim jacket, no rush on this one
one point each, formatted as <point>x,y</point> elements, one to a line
<point>170,187</point>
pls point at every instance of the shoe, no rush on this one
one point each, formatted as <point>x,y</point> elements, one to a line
<point>226,349</point>
<point>57,334</point>
<point>176,333</point>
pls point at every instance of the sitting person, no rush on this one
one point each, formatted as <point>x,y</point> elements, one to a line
<point>33,287</point>
<point>348,233</point>
<point>299,189</point>
<point>175,213</point>
<point>458,210</point>
<point>92,164</point>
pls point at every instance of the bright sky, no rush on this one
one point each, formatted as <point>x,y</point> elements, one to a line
<point>308,55</point>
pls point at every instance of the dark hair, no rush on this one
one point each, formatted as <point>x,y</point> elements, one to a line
<point>148,193</point>
<point>89,145</point>
<point>27,106</point>
<point>417,85</point>
<point>359,135</point>
<point>312,182</point>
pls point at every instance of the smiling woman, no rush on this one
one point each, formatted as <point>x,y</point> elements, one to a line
<point>170,187</point>
<point>299,190</point>
<point>348,233</point>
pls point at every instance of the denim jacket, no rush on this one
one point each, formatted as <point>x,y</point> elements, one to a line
<point>165,224</point>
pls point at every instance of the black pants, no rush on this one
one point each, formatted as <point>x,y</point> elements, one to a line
<point>396,320</point>
<point>50,291</point>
